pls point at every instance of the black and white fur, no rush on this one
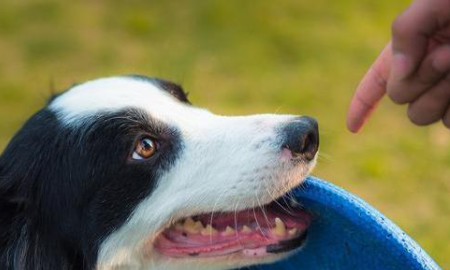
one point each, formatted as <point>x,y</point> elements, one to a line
<point>72,198</point>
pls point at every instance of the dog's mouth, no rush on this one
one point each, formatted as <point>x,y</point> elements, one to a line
<point>257,232</point>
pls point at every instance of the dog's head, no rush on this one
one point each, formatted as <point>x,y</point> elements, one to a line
<point>124,173</point>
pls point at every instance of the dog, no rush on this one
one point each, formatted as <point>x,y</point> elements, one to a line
<point>125,173</point>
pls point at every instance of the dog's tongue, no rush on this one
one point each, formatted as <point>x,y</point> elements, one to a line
<point>252,232</point>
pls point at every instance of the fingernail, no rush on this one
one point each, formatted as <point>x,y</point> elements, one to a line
<point>401,66</point>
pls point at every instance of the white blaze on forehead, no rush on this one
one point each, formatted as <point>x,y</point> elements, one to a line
<point>114,94</point>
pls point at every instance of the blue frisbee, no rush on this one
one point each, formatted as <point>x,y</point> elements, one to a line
<point>347,233</point>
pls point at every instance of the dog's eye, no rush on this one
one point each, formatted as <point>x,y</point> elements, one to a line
<point>144,149</point>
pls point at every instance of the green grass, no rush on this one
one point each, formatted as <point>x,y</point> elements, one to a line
<point>244,57</point>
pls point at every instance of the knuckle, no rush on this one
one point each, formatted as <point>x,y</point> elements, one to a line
<point>397,97</point>
<point>380,80</point>
<point>399,26</point>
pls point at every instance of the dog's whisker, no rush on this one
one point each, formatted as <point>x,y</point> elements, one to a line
<point>262,208</point>
<point>324,157</point>
<point>212,214</point>
<point>236,223</point>
<point>259,226</point>
<point>256,219</point>
<point>289,197</point>
<point>276,201</point>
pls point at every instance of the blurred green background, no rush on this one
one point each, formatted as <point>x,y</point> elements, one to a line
<point>244,57</point>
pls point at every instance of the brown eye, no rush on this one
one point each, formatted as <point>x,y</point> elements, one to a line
<point>145,148</point>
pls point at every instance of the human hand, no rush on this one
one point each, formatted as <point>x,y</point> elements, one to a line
<point>413,69</point>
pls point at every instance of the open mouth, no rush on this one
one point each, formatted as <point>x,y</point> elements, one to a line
<point>257,232</point>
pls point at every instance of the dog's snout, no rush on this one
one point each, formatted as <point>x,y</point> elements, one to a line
<point>301,137</point>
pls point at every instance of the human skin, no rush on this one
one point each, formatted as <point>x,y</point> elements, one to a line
<point>413,68</point>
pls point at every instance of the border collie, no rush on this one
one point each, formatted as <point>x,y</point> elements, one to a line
<point>124,173</point>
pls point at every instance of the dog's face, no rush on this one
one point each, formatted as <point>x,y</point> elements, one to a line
<point>138,178</point>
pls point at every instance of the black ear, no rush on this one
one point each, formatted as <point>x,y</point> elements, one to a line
<point>172,88</point>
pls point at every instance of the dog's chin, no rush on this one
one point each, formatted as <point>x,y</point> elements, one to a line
<point>226,240</point>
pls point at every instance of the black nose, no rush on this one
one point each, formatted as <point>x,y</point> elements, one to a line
<point>301,136</point>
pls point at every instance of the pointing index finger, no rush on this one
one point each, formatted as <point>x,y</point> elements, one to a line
<point>370,91</point>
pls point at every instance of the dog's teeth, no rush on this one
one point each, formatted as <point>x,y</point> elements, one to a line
<point>191,226</point>
<point>292,232</point>
<point>209,230</point>
<point>280,228</point>
<point>179,227</point>
<point>228,231</point>
<point>246,229</point>
<point>199,225</point>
